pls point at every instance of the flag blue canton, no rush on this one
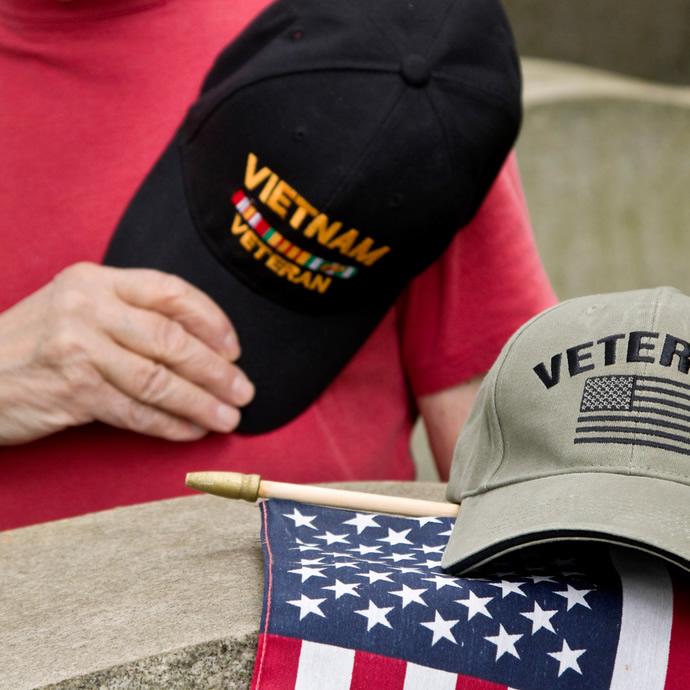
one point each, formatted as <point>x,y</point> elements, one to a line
<point>374,583</point>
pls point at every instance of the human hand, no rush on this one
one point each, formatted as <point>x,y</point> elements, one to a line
<point>134,348</point>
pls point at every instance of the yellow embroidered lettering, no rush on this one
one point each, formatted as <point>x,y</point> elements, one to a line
<point>281,198</point>
<point>303,278</point>
<point>276,263</point>
<point>362,254</point>
<point>304,208</point>
<point>238,227</point>
<point>261,250</point>
<point>344,242</point>
<point>252,178</point>
<point>248,240</point>
<point>268,188</point>
<point>323,231</point>
<point>291,272</point>
<point>320,283</point>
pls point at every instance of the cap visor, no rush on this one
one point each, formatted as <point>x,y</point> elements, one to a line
<point>645,513</point>
<point>290,356</point>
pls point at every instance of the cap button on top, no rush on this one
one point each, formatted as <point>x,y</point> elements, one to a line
<point>415,70</point>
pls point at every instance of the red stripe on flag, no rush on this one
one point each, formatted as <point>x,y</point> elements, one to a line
<point>678,671</point>
<point>467,683</point>
<point>375,671</point>
<point>277,659</point>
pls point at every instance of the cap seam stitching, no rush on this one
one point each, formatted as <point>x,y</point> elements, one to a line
<point>487,484</point>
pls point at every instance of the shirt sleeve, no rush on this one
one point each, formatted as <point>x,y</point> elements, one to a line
<point>456,316</point>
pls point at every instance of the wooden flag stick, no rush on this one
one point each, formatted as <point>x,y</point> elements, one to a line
<point>250,487</point>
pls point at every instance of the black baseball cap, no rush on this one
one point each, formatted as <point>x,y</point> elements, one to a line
<point>334,151</point>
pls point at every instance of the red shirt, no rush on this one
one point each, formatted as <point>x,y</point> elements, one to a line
<point>90,93</point>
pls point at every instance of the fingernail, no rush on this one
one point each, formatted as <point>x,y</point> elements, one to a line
<point>243,389</point>
<point>228,416</point>
<point>231,346</point>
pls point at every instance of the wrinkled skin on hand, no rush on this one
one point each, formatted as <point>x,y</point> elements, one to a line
<point>134,348</point>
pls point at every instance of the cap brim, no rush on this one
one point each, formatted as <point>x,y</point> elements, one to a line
<point>649,514</point>
<point>290,356</point>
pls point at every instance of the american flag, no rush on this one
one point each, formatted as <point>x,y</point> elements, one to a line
<point>356,600</point>
<point>635,410</point>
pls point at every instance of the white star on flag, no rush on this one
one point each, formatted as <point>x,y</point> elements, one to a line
<point>475,605</point>
<point>536,579</point>
<point>363,550</point>
<point>575,597</point>
<point>301,520</point>
<point>409,595</point>
<point>375,615</point>
<point>427,521</point>
<point>346,564</point>
<point>507,587</point>
<point>342,588</point>
<point>361,521</point>
<point>304,546</point>
<point>430,549</point>
<point>311,561</point>
<point>505,643</point>
<point>307,606</point>
<point>540,618</point>
<point>394,537</point>
<point>397,557</point>
<point>440,628</point>
<point>307,572</point>
<point>376,576</point>
<point>330,538</point>
<point>442,581</point>
<point>404,571</point>
<point>567,658</point>
<point>431,564</point>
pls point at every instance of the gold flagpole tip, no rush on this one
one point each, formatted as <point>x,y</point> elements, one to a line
<point>226,484</point>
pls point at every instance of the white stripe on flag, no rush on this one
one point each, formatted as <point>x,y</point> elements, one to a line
<point>423,678</point>
<point>643,646</point>
<point>324,666</point>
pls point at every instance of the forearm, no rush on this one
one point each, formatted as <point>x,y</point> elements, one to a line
<point>444,414</point>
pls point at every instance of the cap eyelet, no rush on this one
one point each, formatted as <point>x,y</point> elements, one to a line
<point>300,133</point>
<point>397,199</point>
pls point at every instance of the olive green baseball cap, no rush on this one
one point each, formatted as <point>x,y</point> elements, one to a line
<point>580,431</point>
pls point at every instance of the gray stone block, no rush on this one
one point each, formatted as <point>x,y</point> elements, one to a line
<point>644,38</point>
<point>605,169</point>
<point>159,595</point>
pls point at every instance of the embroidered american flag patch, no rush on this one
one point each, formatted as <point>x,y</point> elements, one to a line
<point>635,410</point>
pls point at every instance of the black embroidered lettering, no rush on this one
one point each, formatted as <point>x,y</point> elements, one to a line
<point>576,356</point>
<point>636,345</point>
<point>550,380</point>
<point>609,343</point>
<point>675,346</point>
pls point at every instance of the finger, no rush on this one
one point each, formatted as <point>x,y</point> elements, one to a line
<point>154,385</point>
<point>181,301</point>
<point>164,340</point>
<point>124,412</point>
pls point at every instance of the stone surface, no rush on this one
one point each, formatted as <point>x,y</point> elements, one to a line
<point>159,595</point>
<point>604,165</point>
<point>645,38</point>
